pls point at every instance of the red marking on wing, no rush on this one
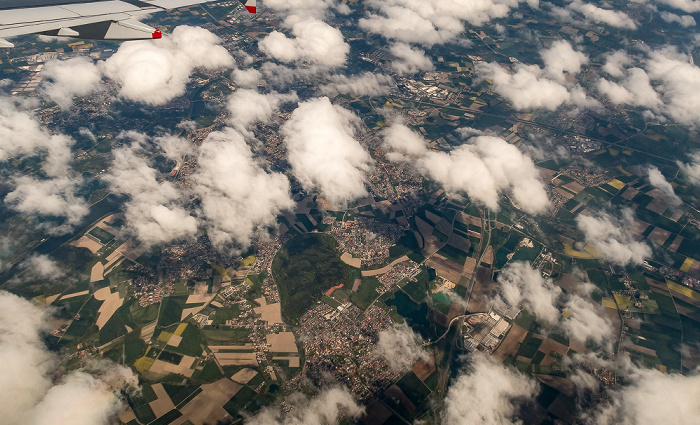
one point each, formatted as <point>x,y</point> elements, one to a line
<point>157,34</point>
<point>250,9</point>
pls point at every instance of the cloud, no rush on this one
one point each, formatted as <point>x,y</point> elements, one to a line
<point>690,6</point>
<point>401,347</point>
<point>532,87</point>
<point>635,89</point>
<point>235,197</point>
<point>659,181</point>
<point>650,397</point>
<point>43,267</point>
<point>238,197</point>
<point>32,393</point>
<point>665,81</point>
<point>154,211</point>
<point>487,393</point>
<point>21,134</point>
<point>431,22</point>
<point>249,106</point>
<point>587,322</point>
<point>247,78</point>
<point>483,168</point>
<point>561,59</point>
<point>282,75</point>
<point>52,194</point>
<point>523,285</point>
<point>692,170</point>
<point>596,14</point>
<point>156,72</point>
<point>611,237</point>
<point>366,84</point>
<point>326,408</point>
<point>678,82</point>
<point>51,197</point>
<point>410,60</point>
<point>314,43</point>
<point>175,148</point>
<point>616,62</point>
<point>300,8</point>
<point>402,143</point>
<point>686,21</point>
<point>526,88</point>
<point>323,152</point>
<point>69,78</point>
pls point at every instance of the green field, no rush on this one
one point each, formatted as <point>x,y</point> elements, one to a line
<point>142,316</point>
<point>408,246</point>
<point>170,311</point>
<point>527,254</point>
<point>101,235</point>
<point>529,347</point>
<point>167,418</point>
<point>599,279</point>
<point>453,254</point>
<point>209,372</point>
<point>238,402</point>
<point>179,393</point>
<point>416,289</point>
<point>414,388</point>
<point>222,314</point>
<point>191,342</point>
<point>113,329</point>
<point>221,336</point>
<point>331,301</point>
<point>305,268</point>
<point>366,293</point>
<point>144,413</point>
<point>525,319</point>
<point>88,315</point>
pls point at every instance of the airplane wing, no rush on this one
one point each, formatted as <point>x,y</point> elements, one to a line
<point>91,19</point>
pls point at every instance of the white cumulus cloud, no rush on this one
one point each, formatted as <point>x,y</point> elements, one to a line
<point>314,42</point>
<point>325,408</point>
<point>323,152</point>
<point>156,72</point>
<point>692,169</point>
<point>430,22</point>
<point>614,18</point>
<point>611,237</point>
<point>154,211</point>
<point>410,60</point>
<point>659,181</point>
<point>685,20</point>
<point>523,285</point>
<point>21,135</point>
<point>532,87</point>
<point>33,390</point>
<point>483,168</point>
<point>650,397</point>
<point>365,84</point>
<point>67,79</point>
<point>487,393</point>
<point>249,106</point>
<point>401,347</point>
<point>238,196</point>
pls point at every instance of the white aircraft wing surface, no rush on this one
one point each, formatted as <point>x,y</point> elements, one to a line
<point>91,19</point>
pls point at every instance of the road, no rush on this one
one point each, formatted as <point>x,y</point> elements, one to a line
<point>449,325</point>
<point>441,388</point>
